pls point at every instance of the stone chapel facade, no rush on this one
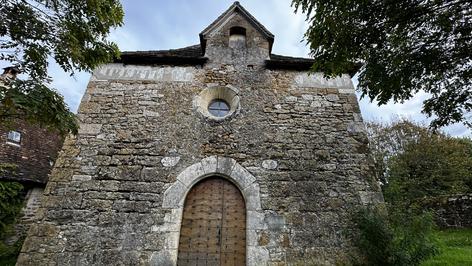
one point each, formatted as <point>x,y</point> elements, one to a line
<point>220,153</point>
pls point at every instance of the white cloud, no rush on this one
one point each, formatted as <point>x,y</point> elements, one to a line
<point>156,25</point>
<point>72,88</point>
<point>126,40</point>
<point>410,109</point>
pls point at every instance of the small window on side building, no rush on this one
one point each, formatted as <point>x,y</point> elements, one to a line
<point>14,137</point>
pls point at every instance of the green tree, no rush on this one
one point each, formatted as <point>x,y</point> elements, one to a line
<point>389,139</point>
<point>71,32</point>
<point>436,165</point>
<point>404,46</point>
<point>36,103</point>
<point>415,163</point>
<point>415,166</point>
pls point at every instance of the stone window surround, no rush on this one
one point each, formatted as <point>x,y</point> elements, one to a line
<point>227,93</point>
<point>174,199</point>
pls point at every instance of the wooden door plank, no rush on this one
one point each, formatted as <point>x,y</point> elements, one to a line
<point>213,225</point>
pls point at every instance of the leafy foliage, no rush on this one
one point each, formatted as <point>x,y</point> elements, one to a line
<point>432,167</point>
<point>11,201</point>
<point>9,253</point>
<point>394,239</point>
<point>8,168</point>
<point>414,163</point>
<point>404,47</point>
<point>389,139</point>
<point>72,32</point>
<point>36,103</point>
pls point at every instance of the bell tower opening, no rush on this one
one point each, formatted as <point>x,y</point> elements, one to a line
<point>237,37</point>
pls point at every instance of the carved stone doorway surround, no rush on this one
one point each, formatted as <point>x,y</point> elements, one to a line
<point>174,198</point>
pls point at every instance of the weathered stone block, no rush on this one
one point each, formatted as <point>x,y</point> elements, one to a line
<point>90,129</point>
<point>173,196</point>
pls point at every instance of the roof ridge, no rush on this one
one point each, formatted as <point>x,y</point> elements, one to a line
<point>290,57</point>
<point>237,7</point>
<point>195,46</point>
<point>244,12</point>
<point>260,25</point>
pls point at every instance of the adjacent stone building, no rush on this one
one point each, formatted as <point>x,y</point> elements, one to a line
<point>27,154</point>
<point>220,153</point>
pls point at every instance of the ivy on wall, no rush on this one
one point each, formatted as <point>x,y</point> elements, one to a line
<point>11,202</point>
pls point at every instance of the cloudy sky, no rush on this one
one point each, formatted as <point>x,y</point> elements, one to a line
<point>163,24</point>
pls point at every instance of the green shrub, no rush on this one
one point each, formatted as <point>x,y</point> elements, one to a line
<point>11,202</point>
<point>9,253</point>
<point>393,239</point>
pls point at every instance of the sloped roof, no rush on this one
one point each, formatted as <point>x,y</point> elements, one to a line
<point>190,55</point>
<point>299,63</point>
<point>237,7</point>
<point>288,62</point>
<point>194,55</point>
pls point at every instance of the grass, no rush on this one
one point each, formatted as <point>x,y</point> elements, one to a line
<point>455,246</point>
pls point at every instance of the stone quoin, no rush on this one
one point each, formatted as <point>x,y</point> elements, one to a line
<point>155,177</point>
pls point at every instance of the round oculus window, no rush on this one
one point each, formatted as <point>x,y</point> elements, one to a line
<point>217,103</point>
<point>218,108</point>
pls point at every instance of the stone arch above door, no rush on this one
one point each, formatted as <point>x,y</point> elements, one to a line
<point>228,168</point>
<point>174,199</point>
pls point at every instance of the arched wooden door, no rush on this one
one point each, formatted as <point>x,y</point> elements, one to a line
<point>213,228</point>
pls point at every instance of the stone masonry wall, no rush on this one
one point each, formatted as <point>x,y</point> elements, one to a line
<point>453,211</point>
<point>256,50</point>
<point>33,202</point>
<point>301,136</point>
<point>28,214</point>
